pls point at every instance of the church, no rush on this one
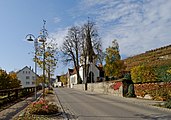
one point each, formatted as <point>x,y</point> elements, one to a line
<point>89,72</point>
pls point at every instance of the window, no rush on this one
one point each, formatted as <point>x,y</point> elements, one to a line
<point>27,77</point>
<point>29,72</point>
<point>26,72</point>
<point>33,78</point>
<point>27,83</point>
<point>23,72</point>
<point>32,83</point>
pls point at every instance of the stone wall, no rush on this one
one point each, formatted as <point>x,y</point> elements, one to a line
<point>111,87</point>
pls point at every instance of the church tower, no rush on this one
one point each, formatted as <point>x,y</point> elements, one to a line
<point>89,48</point>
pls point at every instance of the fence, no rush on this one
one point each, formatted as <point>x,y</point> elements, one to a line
<point>10,95</point>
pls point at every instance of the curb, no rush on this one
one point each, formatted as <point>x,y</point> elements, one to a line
<point>62,109</point>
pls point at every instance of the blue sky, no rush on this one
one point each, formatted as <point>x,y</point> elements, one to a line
<point>138,25</point>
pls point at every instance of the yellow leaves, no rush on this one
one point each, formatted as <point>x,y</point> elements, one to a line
<point>63,79</point>
<point>114,66</point>
<point>169,71</point>
<point>8,81</point>
<point>13,75</point>
<point>141,74</point>
<point>2,72</point>
<point>39,80</point>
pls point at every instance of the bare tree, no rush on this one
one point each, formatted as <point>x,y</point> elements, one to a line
<point>81,44</point>
<point>71,48</point>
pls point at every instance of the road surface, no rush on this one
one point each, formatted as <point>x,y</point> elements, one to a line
<point>83,105</point>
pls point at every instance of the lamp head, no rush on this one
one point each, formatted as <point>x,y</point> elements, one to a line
<point>30,37</point>
<point>41,38</point>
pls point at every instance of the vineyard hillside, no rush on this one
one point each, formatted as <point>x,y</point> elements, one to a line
<point>155,58</point>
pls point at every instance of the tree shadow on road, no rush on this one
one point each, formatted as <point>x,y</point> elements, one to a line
<point>154,116</point>
<point>70,116</point>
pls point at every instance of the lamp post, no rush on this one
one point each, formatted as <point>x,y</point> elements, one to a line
<point>40,38</point>
<point>31,37</point>
<point>44,77</point>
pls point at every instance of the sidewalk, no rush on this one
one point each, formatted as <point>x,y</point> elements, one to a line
<point>19,109</point>
<point>13,110</point>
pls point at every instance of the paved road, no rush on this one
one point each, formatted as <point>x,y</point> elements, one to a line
<point>92,106</point>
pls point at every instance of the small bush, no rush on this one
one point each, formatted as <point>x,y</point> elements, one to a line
<point>43,107</point>
<point>24,92</point>
<point>48,91</point>
<point>131,92</point>
<point>168,104</point>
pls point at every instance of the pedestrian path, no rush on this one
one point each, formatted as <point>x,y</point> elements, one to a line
<point>13,110</point>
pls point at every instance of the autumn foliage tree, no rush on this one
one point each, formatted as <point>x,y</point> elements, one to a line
<point>39,80</point>
<point>8,81</point>
<point>142,74</point>
<point>114,65</point>
<point>50,57</point>
<point>63,79</point>
<point>14,82</point>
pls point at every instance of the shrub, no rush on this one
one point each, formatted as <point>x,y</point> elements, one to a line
<point>168,104</point>
<point>127,76</point>
<point>142,74</point>
<point>43,107</point>
<point>24,92</point>
<point>163,73</point>
<point>131,92</point>
<point>159,91</point>
<point>48,91</point>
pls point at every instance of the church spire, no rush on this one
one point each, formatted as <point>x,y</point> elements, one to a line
<point>90,51</point>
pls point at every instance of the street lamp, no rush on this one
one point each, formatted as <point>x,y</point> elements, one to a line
<point>43,40</point>
<point>31,37</point>
<point>40,38</point>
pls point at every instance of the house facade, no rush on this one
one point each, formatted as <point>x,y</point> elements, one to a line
<point>27,77</point>
<point>95,73</point>
<point>71,78</point>
<point>57,82</point>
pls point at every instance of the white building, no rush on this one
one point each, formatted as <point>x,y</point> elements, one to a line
<point>73,78</point>
<point>27,77</point>
<point>57,82</point>
<point>70,77</point>
<point>95,73</point>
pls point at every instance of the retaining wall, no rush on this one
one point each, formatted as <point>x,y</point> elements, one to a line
<point>110,87</point>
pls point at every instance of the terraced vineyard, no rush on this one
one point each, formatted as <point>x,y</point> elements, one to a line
<point>155,58</point>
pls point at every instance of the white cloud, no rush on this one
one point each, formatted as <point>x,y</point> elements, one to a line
<point>57,20</point>
<point>59,36</point>
<point>138,25</point>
